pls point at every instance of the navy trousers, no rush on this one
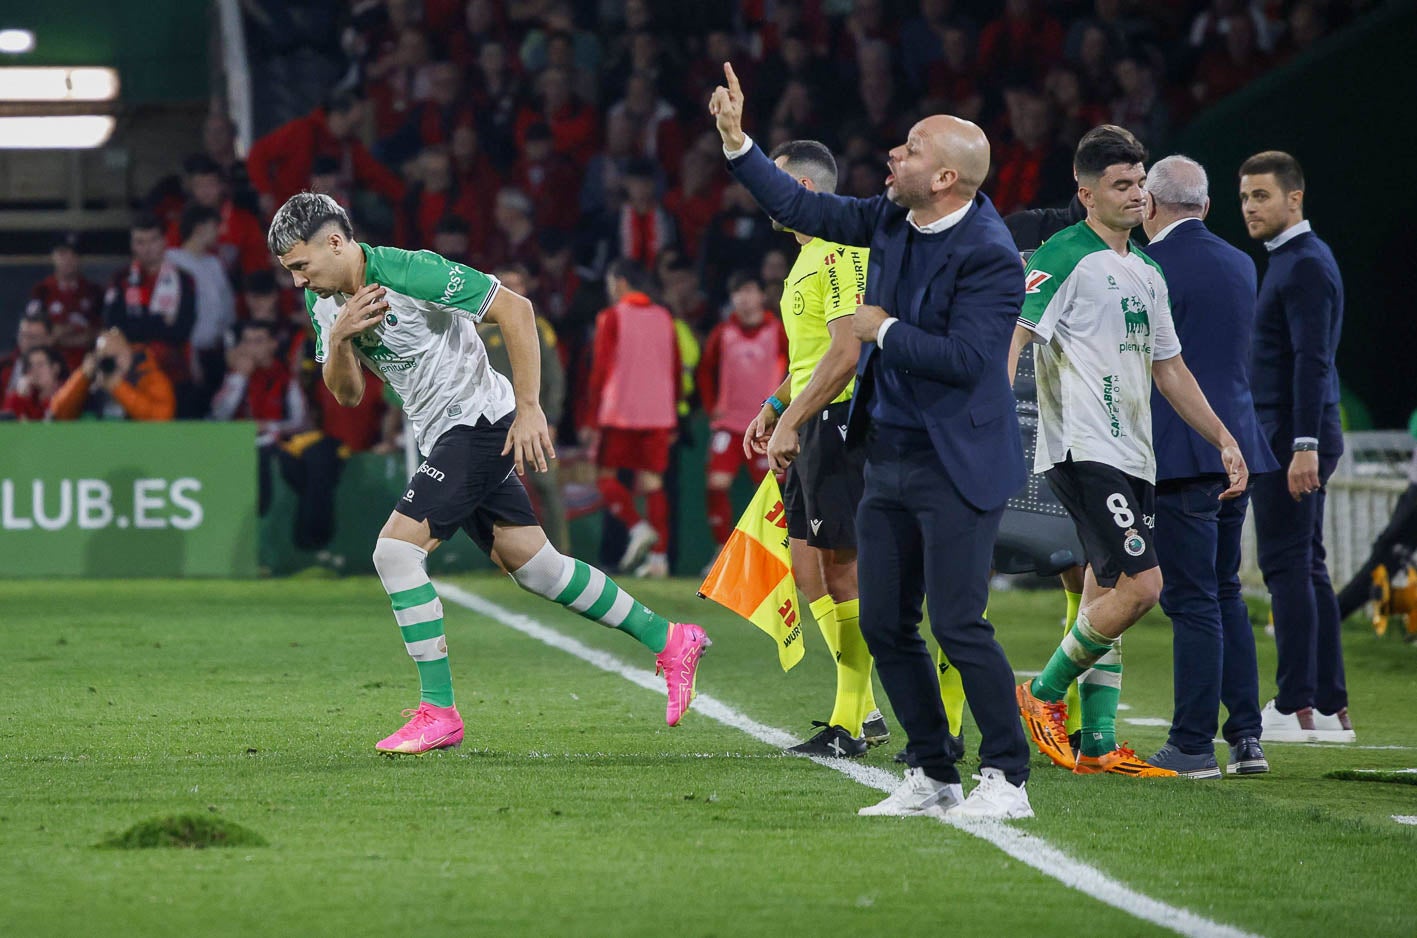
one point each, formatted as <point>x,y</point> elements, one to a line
<point>919,538</point>
<point>1213,658</point>
<point>1306,623</point>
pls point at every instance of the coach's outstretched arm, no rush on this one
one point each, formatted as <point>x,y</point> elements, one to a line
<point>819,214</point>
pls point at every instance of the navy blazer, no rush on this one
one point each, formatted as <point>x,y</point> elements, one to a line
<point>1212,287</point>
<point>951,343</point>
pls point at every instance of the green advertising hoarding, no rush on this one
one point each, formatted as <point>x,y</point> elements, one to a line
<point>128,499</point>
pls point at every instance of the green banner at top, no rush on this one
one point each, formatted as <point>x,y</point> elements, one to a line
<point>94,499</point>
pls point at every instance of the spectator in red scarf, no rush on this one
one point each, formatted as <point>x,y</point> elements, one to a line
<point>430,199</point>
<point>151,301</point>
<point>549,178</point>
<point>696,199</point>
<point>70,301</point>
<point>280,162</point>
<point>44,374</point>
<point>644,228</point>
<point>1032,170</point>
<point>258,386</point>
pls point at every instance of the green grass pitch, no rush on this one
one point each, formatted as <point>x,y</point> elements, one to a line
<point>572,810</point>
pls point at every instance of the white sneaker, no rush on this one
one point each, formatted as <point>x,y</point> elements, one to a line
<point>642,538</point>
<point>918,794</point>
<point>1334,727</point>
<point>655,567</point>
<point>993,799</point>
<point>1296,727</point>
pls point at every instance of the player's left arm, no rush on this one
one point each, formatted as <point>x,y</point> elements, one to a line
<point>1176,383</point>
<point>529,439</point>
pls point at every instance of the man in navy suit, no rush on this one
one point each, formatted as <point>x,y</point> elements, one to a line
<point>1298,320</point>
<point>1212,287</point>
<point>943,453</point>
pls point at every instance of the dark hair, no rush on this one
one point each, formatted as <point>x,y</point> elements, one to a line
<point>55,358</point>
<point>539,130</point>
<point>40,317</point>
<point>742,278</point>
<point>635,276</point>
<point>260,282</point>
<point>1104,146</point>
<point>265,325</point>
<point>452,224</point>
<point>199,164</point>
<point>1285,169</point>
<point>301,218</point>
<point>146,221</point>
<point>513,267</point>
<point>324,165</point>
<point>811,159</point>
<point>641,167</point>
<point>194,216</point>
<point>342,100</point>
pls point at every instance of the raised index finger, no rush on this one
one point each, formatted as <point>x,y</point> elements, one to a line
<point>732,77</point>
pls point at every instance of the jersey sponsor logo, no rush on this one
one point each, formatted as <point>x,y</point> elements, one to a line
<point>1109,400</point>
<point>435,474</point>
<point>408,496</point>
<point>1035,281</point>
<point>1134,312</point>
<point>1133,544</point>
<point>860,298</point>
<point>457,279</point>
<point>1112,283</point>
<point>833,284</point>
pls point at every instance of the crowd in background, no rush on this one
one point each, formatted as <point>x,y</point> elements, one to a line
<point>550,138</point>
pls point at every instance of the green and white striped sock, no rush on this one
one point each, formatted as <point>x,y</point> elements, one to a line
<point>419,613</point>
<point>591,594</point>
<point>1099,691</point>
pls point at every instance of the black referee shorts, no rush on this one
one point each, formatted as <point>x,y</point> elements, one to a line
<point>467,483</point>
<point>824,483</point>
<point>1115,514</point>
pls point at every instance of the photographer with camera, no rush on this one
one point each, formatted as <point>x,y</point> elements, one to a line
<point>117,381</point>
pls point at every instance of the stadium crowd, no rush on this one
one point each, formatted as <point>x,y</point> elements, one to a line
<point>549,139</point>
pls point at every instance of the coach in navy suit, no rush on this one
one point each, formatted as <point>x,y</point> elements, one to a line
<point>934,407</point>
<point>1298,321</point>
<point>1212,287</point>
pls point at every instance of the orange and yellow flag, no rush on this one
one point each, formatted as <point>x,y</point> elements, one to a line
<point>753,573</point>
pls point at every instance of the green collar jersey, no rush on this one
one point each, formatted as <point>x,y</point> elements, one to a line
<point>1101,318</point>
<point>427,348</point>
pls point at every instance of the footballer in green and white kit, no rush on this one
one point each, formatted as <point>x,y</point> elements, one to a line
<point>411,316</point>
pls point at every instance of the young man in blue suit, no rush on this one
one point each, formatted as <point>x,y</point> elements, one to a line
<point>1212,289</point>
<point>943,444</point>
<point>1298,320</point>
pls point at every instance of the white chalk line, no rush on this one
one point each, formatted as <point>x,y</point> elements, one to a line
<point>1026,848</point>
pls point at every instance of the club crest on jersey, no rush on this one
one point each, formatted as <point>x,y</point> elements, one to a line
<point>1133,544</point>
<point>1036,280</point>
<point>391,320</point>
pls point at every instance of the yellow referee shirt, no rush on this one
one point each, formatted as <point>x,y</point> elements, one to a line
<point>827,282</point>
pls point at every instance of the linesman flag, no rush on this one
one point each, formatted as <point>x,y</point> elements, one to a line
<point>753,573</point>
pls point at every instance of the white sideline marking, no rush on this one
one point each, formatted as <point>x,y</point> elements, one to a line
<point>1146,721</point>
<point>1405,818</point>
<point>1026,848</point>
<point>1391,771</point>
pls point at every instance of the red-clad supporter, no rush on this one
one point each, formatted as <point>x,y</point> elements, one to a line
<point>1030,168</point>
<point>1025,40</point>
<point>35,331</point>
<point>574,125</point>
<point>44,374</point>
<point>660,136</point>
<point>478,178</point>
<point>280,163</point>
<point>71,302</point>
<point>434,119</point>
<point>152,302</point>
<point>550,178</point>
<point>451,239</point>
<point>633,410</point>
<point>644,229</point>
<point>603,185</point>
<point>1073,115</point>
<point>1139,107</point>
<point>118,380</point>
<point>241,240</point>
<point>696,199</point>
<point>705,72</point>
<point>264,301</point>
<point>258,386</point>
<point>556,42</point>
<point>774,21</point>
<point>744,360</point>
<point>433,196</point>
<point>1094,66</point>
<point>865,24</point>
<point>513,239</point>
<point>399,79</point>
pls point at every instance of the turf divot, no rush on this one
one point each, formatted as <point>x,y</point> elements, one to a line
<point>196,831</point>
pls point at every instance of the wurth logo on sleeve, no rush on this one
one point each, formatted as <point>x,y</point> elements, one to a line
<point>1036,279</point>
